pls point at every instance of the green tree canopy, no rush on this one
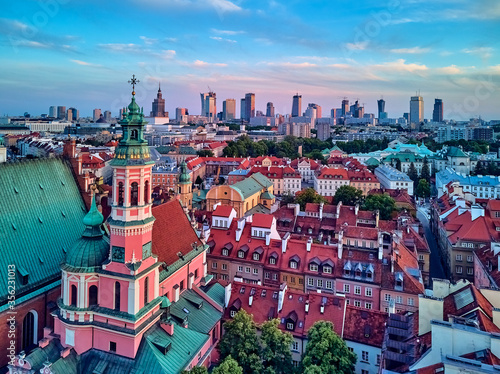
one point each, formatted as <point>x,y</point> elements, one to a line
<point>423,188</point>
<point>383,203</point>
<point>228,366</point>
<point>205,153</point>
<point>196,370</point>
<point>326,352</point>
<point>309,195</point>
<point>240,341</point>
<point>398,164</point>
<point>412,172</point>
<point>276,353</point>
<point>426,173</point>
<point>349,195</point>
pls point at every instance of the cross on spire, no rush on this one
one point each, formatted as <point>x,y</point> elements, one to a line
<point>133,82</point>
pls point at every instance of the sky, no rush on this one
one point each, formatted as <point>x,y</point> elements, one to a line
<point>82,53</point>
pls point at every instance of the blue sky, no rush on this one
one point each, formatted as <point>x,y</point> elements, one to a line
<point>81,53</point>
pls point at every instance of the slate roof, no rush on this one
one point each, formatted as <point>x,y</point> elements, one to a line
<point>41,218</point>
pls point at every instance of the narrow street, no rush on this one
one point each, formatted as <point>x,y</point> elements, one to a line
<point>437,268</point>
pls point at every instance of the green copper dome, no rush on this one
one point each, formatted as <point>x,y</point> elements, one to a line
<point>184,177</point>
<point>92,249</point>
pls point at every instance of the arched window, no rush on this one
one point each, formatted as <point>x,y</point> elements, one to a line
<point>120,194</point>
<point>146,192</point>
<point>134,194</point>
<point>92,295</point>
<point>146,291</point>
<point>74,295</point>
<point>133,135</point>
<point>30,330</point>
<point>117,295</point>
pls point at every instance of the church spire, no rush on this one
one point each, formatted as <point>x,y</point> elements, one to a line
<point>159,87</point>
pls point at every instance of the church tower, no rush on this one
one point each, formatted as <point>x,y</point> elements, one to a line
<point>185,187</point>
<point>110,291</point>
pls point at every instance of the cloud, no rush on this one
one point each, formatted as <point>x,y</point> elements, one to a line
<point>360,46</point>
<point>147,40</point>
<point>292,65</point>
<point>84,63</point>
<point>227,32</point>
<point>413,50</point>
<point>134,49</point>
<point>218,5</point>
<point>450,70</point>
<point>203,64</point>
<point>219,39</point>
<point>483,52</point>
<point>400,65</point>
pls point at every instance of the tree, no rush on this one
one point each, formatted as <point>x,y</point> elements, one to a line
<point>349,195</point>
<point>412,172</point>
<point>228,366</point>
<point>398,164</point>
<point>383,203</point>
<point>326,352</point>
<point>205,153</point>
<point>276,354</point>
<point>426,173</point>
<point>196,370</point>
<point>308,195</point>
<point>240,341</point>
<point>287,198</point>
<point>423,189</point>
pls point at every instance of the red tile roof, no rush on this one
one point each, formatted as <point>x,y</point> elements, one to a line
<point>172,232</point>
<point>328,173</point>
<point>262,220</point>
<point>223,211</point>
<point>365,326</point>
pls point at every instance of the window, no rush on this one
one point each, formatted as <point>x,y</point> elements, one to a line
<point>146,192</point>
<point>301,281</point>
<point>378,359</point>
<point>320,283</point>
<point>224,266</point>
<point>347,288</point>
<point>310,282</point>
<point>364,371</point>
<point>469,258</point>
<point>214,265</point>
<point>267,275</point>
<point>289,326</point>
<point>351,349</point>
<point>368,305</point>
<point>120,194</point>
<point>134,194</point>
<point>470,270</point>
<point>293,265</point>
<point>295,364</point>
<point>74,294</point>
<point>275,276</point>
<point>458,269</point>
<point>232,313</point>
<point>117,295</point>
<point>112,346</point>
<point>133,135</point>
<point>327,269</point>
<point>247,269</point>
<point>181,285</point>
<point>146,290</point>
<point>313,267</point>
<point>410,301</point>
<point>241,254</point>
<point>256,271</point>
<point>196,273</point>
<point>458,257</point>
<point>364,356</point>
<point>329,285</point>
<point>357,303</point>
<point>92,295</point>
<point>357,290</point>
<point>399,300</point>
<point>272,260</point>
<point>256,256</point>
<point>295,346</point>
<point>225,252</point>
<point>30,325</point>
<point>240,268</point>
<point>368,291</point>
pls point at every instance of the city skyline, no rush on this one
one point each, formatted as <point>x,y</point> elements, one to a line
<point>59,53</point>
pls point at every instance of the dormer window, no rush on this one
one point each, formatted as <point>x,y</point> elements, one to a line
<point>313,267</point>
<point>232,313</point>
<point>327,269</point>
<point>299,229</point>
<point>310,230</point>
<point>225,252</point>
<point>358,273</point>
<point>256,257</point>
<point>272,260</point>
<point>293,265</point>
<point>289,326</point>
<point>241,254</point>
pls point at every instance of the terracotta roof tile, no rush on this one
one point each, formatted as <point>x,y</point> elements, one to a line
<point>365,326</point>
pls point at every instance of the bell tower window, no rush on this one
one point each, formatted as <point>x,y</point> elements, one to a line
<point>146,291</point>
<point>92,295</point>
<point>74,294</point>
<point>120,194</point>
<point>117,295</point>
<point>134,195</point>
<point>133,135</point>
<point>146,192</point>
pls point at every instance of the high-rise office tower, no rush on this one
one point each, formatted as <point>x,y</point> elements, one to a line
<point>53,111</point>
<point>345,107</point>
<point>249,106</point>
<point>229,109</point>
<point>437,113</point>
<point>61,112</point>
<point>107,115</point>
<point>243,108</point>
<point>381,107</point>
<point>270,110</point>
<point>297,105</point>
<point>158,105</point>
<point>181,113</point>
<point>96,114</point>
<point>72,114</point>
<point>416,109</point>
<point>209,105</point>
<point>355,110</point>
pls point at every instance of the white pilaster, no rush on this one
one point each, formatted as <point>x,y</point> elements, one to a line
<point>81,292</point>
<point>65,288</point>
<point>156,283</point>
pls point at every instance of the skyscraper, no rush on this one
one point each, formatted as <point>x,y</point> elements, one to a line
<point>249,106</point>
<point>297,105</point>
<point>242,108</point>
<point>270,110</point>
<point>158,106</point>
<point>53,111</point>
<point>209,105</point>
<point>229,109</point>
<point>416,109</point>
<point>61,112</point>
<point>317,109</point>
<point>72,114</point>
<point>96,114</point>
<point>107,115</point>
<point>381,107</point>
<point>345,107</point>
<point>437,113</point>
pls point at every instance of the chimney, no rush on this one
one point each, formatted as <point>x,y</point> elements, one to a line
<point>284,242</point>
<point>250,300</point>
<point>340,245</point>
<point>227,294</point>
<point>339,205</point>
<point>380,245</point>
<point>190,281</point>
<point>356,209</point>
<point>322,308</point>
<point>43,343</point>
<point>268,238</point>
<point>321,210</point>
<point>65,352</point>
<point>185,323</point>
<point>281,296</point>
<point>239,230</point>
<point>168,327</point>
<point>392,306</point>
<point>307,306</point>
<point>309,243</point>
<point>377,217</point>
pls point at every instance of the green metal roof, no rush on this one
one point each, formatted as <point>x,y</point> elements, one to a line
<point>40,219</point>
<point>252,185</point>
<point>184,177</point>
<point>202,316</point>
<point>217,293</point>
<point>456,152</point>
<point>267,195</point>
<point>404,157</point>
<point>52,354</point>
<point>372,162</point>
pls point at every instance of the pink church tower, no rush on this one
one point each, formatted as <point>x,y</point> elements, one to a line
<point>110,290</point>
